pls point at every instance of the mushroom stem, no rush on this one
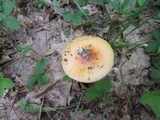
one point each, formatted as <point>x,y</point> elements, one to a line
<point>83,52</point>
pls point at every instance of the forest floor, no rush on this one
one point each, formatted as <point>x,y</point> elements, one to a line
<point>46,31</point>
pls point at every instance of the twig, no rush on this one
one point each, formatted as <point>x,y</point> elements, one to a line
<point>125,87</point>
<point>19,80</point>
<point>48,88</point>
<point>40,111</point>
<point>75,112</point>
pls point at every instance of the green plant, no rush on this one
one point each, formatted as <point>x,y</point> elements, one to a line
<point>66,78</point>
<point>26,107</point>
<point>6,7</point>
<point>126,6</point>
<point>152,99</point>
<point>23,51</point>
<point>41,3</point>
<point>5,83</point>
<point>101,88</point>
<point>39,76</point>
<point>154,48</point>
<point>100,2</point>
<point>75,17</point>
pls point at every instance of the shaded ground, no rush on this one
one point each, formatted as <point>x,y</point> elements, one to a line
<point>48,34</point>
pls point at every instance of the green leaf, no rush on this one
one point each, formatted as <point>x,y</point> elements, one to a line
<point>1,17</point>
<point>152,47</point>
<point>1,92</point>
<point>155,74</point>
<point>32,79</point>
<point>157,34</point>
<point>22,104</point>
<point>156,62</point>
<point>79,13</point>
<point>41,66</point>
<point>152,99</point>
<point>115,4</point>
<point>7,7</point>
<point>66,78</point>
<point>1,88</point>
<point>42,79</point>
<point>19,48</point>
<point>126,3</point>
<point>30,87</point>
<point>11,22</point>
<point>68,15</point>
<point>78,20</point>
<point>98,89</point>
<point>81,2</point>
<point>7,83</point>
<point>142,2</point>
<point>26,107</point>
<point>105,98</point>
<point>27,48</point>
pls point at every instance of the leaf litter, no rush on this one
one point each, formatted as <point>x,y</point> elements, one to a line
<point>48,38</point>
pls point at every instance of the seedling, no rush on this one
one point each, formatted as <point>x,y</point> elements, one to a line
<point>5,83</point>
<point>6,19</point>
<point>75,17</point>
<point>23,51</point>
<point>66,78</point>
<point>154,48</point>
<point>39,77</point>
<point>26,107</point>
<point>101,88</point>
<point>152,99</point>
<point>126,6</point>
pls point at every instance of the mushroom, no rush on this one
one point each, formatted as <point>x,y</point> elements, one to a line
<point>87,59</point>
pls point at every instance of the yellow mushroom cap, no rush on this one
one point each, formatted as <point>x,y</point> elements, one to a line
<point>87,69</point>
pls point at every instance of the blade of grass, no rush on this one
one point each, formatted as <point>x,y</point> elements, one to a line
<point>124,87</point>
<point>84,13</point>
<point>142,23</point>
<point>40,111</point>
<point>130,19</point>
<point>115,110</point>
<point>114,46</point>
<point>107,14</point>
<point>75,112</point>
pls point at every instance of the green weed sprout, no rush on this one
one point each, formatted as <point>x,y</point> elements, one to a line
<point>6,19</point>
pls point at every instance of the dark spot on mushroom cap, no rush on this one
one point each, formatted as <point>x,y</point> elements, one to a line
<point>90,68</point>
<point>65,60</point>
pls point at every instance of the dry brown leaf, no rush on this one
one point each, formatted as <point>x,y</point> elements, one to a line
<point>4,59</point>
<point>91,8</point>
<point>58,95</point>
<point>82,115</point>
<point>133,36</point>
